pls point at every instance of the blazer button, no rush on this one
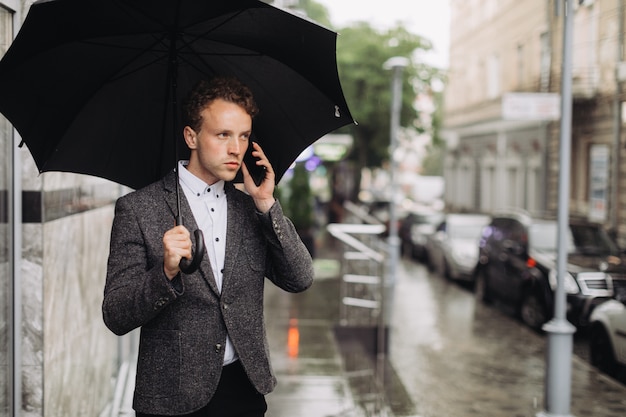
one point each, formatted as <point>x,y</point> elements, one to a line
<point>218,348</point>
<point>160,303</point>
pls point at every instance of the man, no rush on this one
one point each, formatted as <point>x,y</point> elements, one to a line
<point>203,349</point>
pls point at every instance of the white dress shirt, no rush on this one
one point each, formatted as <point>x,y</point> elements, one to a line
<point>209,208</point>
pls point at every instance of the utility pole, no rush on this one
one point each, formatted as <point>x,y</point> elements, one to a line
<point>558,389</point>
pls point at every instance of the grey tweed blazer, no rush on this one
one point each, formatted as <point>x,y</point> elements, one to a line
<point>183,330</point>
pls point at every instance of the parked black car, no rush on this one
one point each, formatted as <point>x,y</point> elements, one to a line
<point>517,267</point>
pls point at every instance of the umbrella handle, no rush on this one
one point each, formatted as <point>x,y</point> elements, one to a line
<point>187,266</point>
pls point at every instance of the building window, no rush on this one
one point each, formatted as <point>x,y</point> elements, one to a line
<point>488,185</point>
<point>493,77</point>
<point>533,184</point>
<point>520,66</point>
<point>465,182</point>
<point>544,70</point>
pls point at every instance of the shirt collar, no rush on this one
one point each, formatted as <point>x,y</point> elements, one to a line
<point>195,184</point>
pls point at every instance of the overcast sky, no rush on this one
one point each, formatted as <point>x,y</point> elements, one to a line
<point>427,18</point>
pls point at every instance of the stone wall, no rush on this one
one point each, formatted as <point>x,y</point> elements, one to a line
<point>69,358</point>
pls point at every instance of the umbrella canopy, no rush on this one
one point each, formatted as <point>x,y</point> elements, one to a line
<point>92,86</point>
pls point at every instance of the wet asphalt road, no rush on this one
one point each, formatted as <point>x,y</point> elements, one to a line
<point>457,357</point>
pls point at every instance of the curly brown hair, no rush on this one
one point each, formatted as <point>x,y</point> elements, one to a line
<point>205,92</point>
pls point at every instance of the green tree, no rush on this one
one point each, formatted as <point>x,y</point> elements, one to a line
<point>300,202</point>
<point>300,206</point>
<point>361,53</point>
<point>316,11</point>
<point>362,50</point>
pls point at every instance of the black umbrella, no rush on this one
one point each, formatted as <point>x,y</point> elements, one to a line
<point>92,85</point>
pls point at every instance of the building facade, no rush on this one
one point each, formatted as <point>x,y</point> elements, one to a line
<point>502,134</point>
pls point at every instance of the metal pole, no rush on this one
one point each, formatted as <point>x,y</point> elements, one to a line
<point>559,330</point>
<point>15,381</point>
<point>397,65</point>
<point>617,122</point>
<point>15,290</point>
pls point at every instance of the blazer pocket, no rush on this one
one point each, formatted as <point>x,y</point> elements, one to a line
<point>158,364</point>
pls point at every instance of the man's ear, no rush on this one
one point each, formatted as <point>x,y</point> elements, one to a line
<point>190,137</point>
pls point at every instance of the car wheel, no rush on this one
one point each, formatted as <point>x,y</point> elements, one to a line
<point>601,351</point>
<point>533,311</point>
<point>481,292</point>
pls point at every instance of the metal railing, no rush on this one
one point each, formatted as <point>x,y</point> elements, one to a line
<point>362,306</point>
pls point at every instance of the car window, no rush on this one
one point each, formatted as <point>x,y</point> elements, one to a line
<point>493,233</point>
<point>544,237</point>
<point>593,240</point>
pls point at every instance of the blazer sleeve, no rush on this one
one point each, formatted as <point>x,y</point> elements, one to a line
<point>136,288</point>
<point>289,264</point>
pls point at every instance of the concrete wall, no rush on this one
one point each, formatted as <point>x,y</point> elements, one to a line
<point>69,358</point>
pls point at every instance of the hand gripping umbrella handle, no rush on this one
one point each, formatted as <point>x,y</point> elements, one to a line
<point>187,266</point>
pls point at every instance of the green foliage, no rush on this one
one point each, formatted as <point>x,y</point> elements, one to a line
<point>316,11</point>
<point>361,53</point>
<point>362,50</point>
<point>300,202</point>
<point>433,162</point>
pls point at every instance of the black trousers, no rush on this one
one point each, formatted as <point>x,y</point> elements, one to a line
<point>235,397</point>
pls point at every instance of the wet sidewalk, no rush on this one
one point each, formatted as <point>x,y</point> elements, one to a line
<point>312,380</point>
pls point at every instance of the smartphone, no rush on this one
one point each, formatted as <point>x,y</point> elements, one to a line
<point>256,172</point>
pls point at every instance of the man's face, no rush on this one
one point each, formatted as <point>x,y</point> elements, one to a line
<point>217,150</point>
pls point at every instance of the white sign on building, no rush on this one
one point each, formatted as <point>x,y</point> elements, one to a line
<point>531,106</point>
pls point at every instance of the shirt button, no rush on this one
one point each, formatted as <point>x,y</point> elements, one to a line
<point>217,239</point>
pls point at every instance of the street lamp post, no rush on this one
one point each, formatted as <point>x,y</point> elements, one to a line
<point>559,330</point>
<point>397,65</point>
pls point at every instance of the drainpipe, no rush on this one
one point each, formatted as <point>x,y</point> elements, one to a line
<point>617,122</point>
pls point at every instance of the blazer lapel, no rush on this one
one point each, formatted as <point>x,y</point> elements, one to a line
<point>234,233</point>
<point>189,221</point>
